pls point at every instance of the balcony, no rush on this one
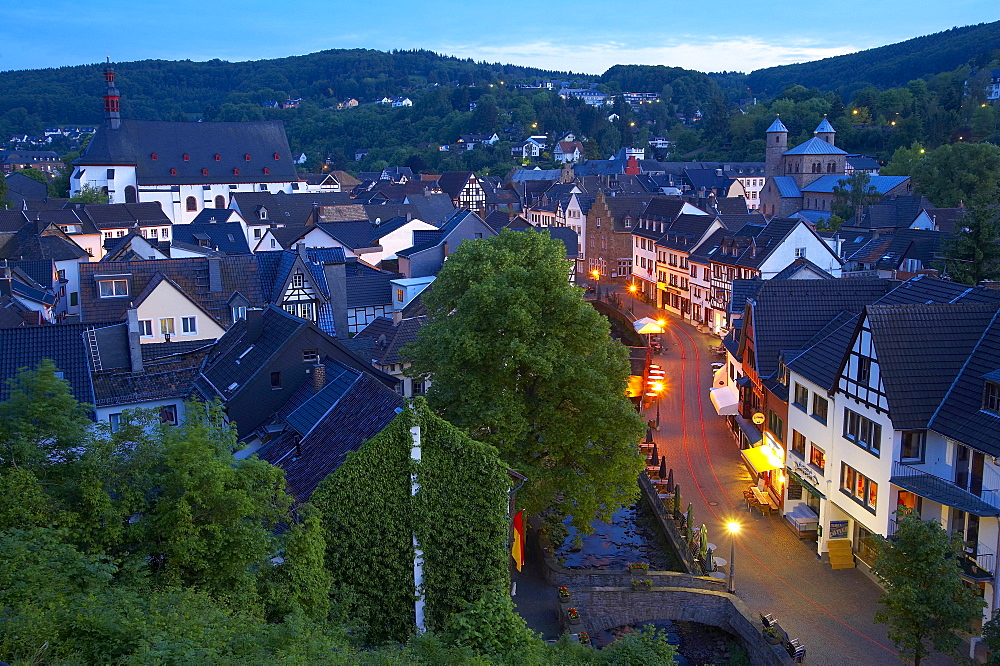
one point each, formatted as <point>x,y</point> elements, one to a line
<point>978,563</point>
<point>944,492</point>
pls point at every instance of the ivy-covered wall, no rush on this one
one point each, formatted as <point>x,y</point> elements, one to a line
<point>459,516</point>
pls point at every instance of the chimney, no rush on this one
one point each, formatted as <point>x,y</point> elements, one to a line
<point>336,280</point>
<point>134,349</point>
<point>319,377</point>
<point>215,274</point>
<point>255,324</point>
<point>301,249</point>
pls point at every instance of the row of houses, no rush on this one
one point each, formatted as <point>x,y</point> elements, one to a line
<point>857,397</point>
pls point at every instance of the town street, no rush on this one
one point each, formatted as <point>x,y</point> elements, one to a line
<point>831,612</point>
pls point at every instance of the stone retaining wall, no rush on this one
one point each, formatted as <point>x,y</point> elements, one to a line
<point>668,526</point>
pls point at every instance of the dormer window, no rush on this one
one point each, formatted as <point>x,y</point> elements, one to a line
<point>111,288</point>
<point>173,172</point>
<point>218,157</point>
<point>267,171</point>
<point>246,157</point>
<point>991,397</point>
<point>277,156</point>
<point>298,280</point>
<point>263,213</point>
<point>236,172</point>
<point>204,172</point>
<point>153,156</point>
<point>186,157</point>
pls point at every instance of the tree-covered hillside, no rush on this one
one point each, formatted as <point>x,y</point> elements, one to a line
<point>886,66</point>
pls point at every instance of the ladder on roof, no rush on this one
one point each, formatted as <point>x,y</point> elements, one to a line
<point>95,352</point>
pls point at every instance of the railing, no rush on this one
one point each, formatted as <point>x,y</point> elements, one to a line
<point>946,491</point>
<point>980,559</point>
<point>864,274</point>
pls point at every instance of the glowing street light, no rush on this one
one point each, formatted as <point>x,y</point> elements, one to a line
<point>596,274</point>
<point>632,288</point>
<point>733,528</point>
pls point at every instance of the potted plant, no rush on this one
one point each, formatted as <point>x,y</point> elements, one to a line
<point>772,635</point>
<point>574,616</point>
<point>583,637</point>
<point>641,567</point>
<point>642,584</point>
<point>563,595</point>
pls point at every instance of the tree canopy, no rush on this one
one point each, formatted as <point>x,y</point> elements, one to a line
<point>961,172</point>
<point>519,360</point>
<point>925,601</point>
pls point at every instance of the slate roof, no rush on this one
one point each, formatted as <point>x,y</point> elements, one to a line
<point>226,237</point>
<point>27,244</point>
<point>137,141</point>
<point>960,415</point>
<point>238,273</point>
<point>521,175</point>
<point>787,187</point>
<point>863,163</point>
<point>930,342</point>
<point>22,187</point>
<point>825,184</point>
<point>166,377</point>
<point>824,127</point>
<point>353,235</point>
<point>686,232</point>
<point>925,289</point>
<point>823,354</point>
<point>289,209</point>
<point>367,285</point>
<point>452,182</point>
<point>732,206</point>
<point>385,351</point>
<point>123,216</point>
<point>777,126</point>
<point>741,291</point>
<point>788,313</point>
<point>798,265</point>
<point>892,212</point>
<point>360,413</point>
<point>25,347</point>
<point>815,146</point>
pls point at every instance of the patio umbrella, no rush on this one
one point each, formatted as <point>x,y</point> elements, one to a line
<point>649,436</point>
<point>703,545</point>
<point>654,459</point>
<point>710,560</point>
<point>670,481</point>
<point>663,468</point>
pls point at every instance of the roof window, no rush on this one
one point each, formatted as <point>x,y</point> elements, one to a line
<point>173,172</point>
<point>186,157</point>
<point>277,156</point>
<point>236,172</point>
<point>204,172</point>
<point>246,157</point>
<point>266,171</point>
<point>218,157</point>
<point>153,156</point>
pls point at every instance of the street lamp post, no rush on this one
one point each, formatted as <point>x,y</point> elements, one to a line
<point>632,288</point>
<point>734,527</point>
<point>596,274</point>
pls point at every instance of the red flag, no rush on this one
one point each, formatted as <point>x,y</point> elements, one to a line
<point>517,546</point>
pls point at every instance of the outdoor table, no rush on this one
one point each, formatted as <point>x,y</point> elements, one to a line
<point>762,497</point>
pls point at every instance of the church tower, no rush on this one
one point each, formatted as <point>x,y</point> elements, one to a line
<point>112,112</point>
<point>825,131</point>
<point>777,144</point>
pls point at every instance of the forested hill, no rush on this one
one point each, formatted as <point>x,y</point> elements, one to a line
<point>886,66</point>
<point>175,90</point>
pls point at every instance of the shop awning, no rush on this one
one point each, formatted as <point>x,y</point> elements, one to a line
<point>719,378</point>
<point>810,488</point>
<point>725,400</point>
<point>762,459</point>
<point>749,430</point>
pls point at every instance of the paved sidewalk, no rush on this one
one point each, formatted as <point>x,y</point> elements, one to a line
<point>832,612</point>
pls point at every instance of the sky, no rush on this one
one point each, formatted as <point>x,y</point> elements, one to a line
<point>583,36</point>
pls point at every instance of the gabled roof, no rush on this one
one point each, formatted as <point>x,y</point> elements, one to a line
<point>921,349</point>
<point>123,216</point>
<point>822,356</point>
<point>192,276</point>
<point>815,146</point>
<point>25,347</point>
<point>136,142</point>
<point>388,338</point>
<point>226,237</point>
<point>28,244</point>
<point>787,314</point>
<point>787,187</point>
<point>452,182</point>
<point>169,376</point>
<point>802,266</point>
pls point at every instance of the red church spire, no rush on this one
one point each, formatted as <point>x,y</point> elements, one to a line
<point>111,108</point>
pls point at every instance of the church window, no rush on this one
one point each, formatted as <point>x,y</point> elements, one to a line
<point>186,157</point>
<point>220,201</point>
<point>130,196</point>
<point>191,203</point>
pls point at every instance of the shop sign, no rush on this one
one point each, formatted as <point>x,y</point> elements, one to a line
<point>758,418</point>
<point>838,529</point>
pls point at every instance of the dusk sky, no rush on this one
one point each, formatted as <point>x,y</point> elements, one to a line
<point>582,36</point>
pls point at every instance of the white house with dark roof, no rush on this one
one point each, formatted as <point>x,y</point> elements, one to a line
<point>185,167</point>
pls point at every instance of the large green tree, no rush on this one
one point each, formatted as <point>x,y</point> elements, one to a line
<point>961,172</point>
<point>853,193</point>
<point>518,359</point>
<point>972,254</point>
<point>925,602</point>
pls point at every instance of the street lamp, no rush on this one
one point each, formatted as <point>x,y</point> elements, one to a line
<point>632,288</point>
<point>733,527</point>
<point>596,274</point>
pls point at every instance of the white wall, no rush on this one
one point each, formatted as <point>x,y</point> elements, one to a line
<point>166,301</point>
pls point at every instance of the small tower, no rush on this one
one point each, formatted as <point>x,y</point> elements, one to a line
<point>112,113</point>
<point>777,144</point>
<point>825,131</point>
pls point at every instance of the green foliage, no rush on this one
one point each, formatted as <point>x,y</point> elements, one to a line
<point>925,601</point>
<point>991,636</point>
<point>492,628</point>
<point>972,254</point>
<point>961,172</point>
<point>853,193</point>
<point>519,360</point>
<point>34,174</point>
<point>458,516</point>
<point>90,194</point>
<point>904,160</point>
